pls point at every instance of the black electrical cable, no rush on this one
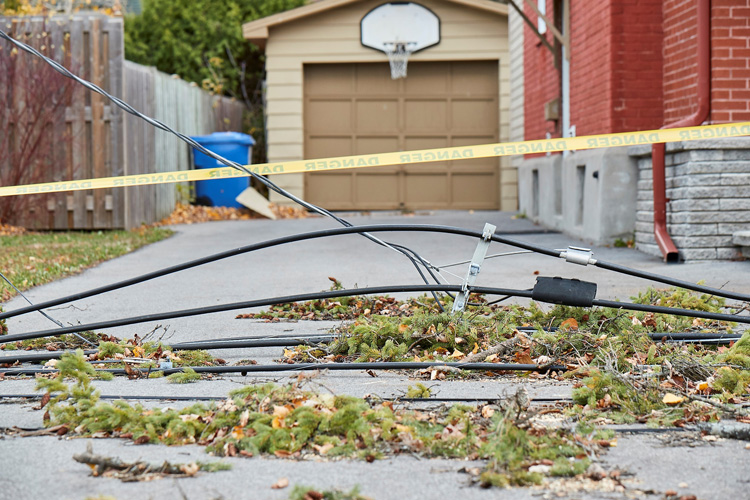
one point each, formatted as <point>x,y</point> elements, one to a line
<point>671,281</point>
<point>354,292</point>
<point>222,398</point>
<point>390,365</point>
<point>257,303</point>
<point>268,244</point>
<point>271,185</point>
<point>40,356</point>
<point>336,232</point>
<point>232,344</point>
<point>408,251</point>
<point>185,346</point>
<point>671,310</point>
<point>682,336</point>
<point>160,125</point>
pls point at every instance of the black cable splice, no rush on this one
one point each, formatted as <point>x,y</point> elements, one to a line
<point>570,292</point>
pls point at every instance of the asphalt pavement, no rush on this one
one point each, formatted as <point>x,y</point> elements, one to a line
<point>42,466</point>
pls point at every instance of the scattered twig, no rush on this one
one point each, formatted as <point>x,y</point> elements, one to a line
<point>132,471</point>
<point>500,349</point>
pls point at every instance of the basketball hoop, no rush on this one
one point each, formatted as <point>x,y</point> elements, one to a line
<point>386,27</point>
<point>398,55</point>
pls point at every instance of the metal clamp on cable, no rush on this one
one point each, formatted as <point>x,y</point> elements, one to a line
<point>459,303</point>
<point>578,255</point>
<point>570,292</point>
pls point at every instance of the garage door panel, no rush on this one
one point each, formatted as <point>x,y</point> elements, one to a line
<point>379,144</point>
<point>426,115</point>
<point>427,79</point>
<point>474,190</point>
<point>427,191</point>
<point>329,79</point>
<point>465,82</point>
<point>472,116</point>
<point>439,104</point>
<point>325,147</point>
<point>329,116</point>
<point>378,115</point>
<point>374,79</point>
<point>333,190</point>
<point>377,191</point>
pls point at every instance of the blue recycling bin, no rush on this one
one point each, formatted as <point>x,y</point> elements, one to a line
<point>232,146</point>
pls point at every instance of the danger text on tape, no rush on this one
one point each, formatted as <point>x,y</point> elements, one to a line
<point>396,158</point>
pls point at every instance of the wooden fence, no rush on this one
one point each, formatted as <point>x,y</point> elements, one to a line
<point>94,138</point>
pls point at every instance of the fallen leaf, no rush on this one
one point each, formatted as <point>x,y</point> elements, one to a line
<point>324,448</point>
<point>44,401</point>
<point>230,449</point>
<point>524,358</point>
<point>280,484</point>
<point>190,469</point>
<point>316,495</point>
<point>570,324</point>
<point>672,399</point>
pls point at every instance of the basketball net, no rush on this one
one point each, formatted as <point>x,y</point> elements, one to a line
<point>398,55</point>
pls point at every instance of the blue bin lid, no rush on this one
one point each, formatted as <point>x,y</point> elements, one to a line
<point>224,138</point>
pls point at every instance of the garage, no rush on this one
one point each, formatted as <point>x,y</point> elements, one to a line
<point>328,94</point>
<point>355,109</point>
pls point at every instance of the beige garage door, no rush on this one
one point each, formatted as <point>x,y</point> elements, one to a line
<point>358,109</point>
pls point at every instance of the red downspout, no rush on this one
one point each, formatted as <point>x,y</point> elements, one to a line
<point>666,245</point>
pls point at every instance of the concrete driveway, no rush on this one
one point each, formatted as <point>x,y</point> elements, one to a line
<point>42,466</point>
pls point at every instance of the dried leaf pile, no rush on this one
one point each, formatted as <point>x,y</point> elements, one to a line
<point>8,230</point>
<point>623,375</point>
<point>288,422</point>
<point>191,214</point>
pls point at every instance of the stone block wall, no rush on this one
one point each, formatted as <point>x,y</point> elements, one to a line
<point>589,194</point>
<point>708,193</point>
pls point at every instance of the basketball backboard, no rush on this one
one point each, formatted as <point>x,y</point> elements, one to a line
<point>407,23</point>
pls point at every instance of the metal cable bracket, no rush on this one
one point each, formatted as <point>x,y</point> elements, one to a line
<point>476,264</point>
<point>578,255</point>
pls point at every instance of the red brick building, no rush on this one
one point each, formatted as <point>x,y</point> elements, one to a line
<point>633,65</point>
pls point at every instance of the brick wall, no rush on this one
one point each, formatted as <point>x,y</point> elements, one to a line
<point>541,80</point>
<point>591,65</point>
<point>680,62</point>
<point>637,65</point>
<point>730,60</point>
<point>616,75</point>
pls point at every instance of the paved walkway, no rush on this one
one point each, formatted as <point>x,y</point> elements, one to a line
<point>305,267</point>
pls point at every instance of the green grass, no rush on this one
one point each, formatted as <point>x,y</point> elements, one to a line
<point>33,259</point>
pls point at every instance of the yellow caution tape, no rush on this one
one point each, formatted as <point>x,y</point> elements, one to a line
<point>400,158</point>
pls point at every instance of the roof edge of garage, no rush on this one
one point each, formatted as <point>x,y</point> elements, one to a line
<point>257,31</point>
